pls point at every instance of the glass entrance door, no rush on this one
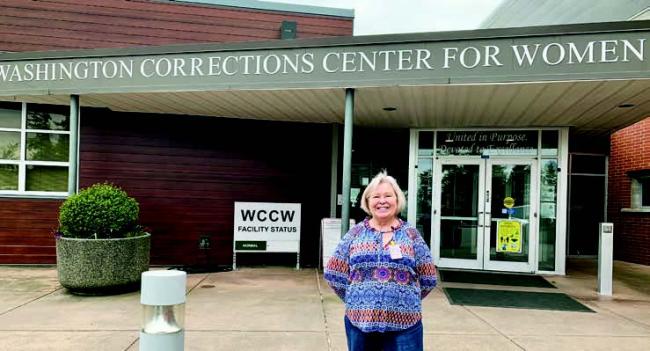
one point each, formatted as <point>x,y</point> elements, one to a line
<point>485,214</point>
<point>459,236</point>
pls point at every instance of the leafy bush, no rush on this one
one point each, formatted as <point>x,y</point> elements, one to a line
<point>100,211</point>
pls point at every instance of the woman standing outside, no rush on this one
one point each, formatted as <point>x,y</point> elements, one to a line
<point>382,269</point>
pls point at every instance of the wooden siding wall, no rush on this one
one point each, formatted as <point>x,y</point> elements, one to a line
<point>27,230</point>
<point>72,24</point>
<point>187,172</point>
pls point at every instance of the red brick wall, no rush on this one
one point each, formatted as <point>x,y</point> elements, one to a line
<point>630,151</point>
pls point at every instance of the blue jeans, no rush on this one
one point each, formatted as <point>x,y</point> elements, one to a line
<point>410,339</point>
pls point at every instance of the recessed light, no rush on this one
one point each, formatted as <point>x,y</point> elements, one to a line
<point>626,105</point>
<point>390,108</point>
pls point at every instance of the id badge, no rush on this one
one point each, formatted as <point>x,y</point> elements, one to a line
<point>395,251</point>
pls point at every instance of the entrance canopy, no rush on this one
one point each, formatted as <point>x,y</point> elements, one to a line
<point>592,77</point>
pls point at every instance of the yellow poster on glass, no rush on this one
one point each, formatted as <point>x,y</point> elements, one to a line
<point>509,236</point>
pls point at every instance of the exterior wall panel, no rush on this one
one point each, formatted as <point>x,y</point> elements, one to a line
<point>185,189</point>
<point>27,230</point>
<point>630,151</point>
<point>187,172</point>
<point>69,24</point>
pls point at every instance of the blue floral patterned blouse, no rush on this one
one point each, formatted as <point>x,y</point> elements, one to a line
<point>380,293</point>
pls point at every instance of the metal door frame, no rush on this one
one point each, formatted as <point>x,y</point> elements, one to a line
<point>482,260</point>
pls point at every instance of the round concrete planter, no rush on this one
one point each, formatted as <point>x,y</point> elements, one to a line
<point>102,266</point>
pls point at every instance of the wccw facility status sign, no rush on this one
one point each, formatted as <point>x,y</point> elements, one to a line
<point>266,227</point>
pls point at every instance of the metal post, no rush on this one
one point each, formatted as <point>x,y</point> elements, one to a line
<point>347,160</point>
<point>163,305</point>
<point>334,187</point>
<point>73,144</point>
<point>605,258</point>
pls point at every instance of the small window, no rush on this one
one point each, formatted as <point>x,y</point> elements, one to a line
<point>550,142</point>
<point>34,149</point>
<point>425,144</point>
<point>640,189</point>
<point>645,191</point>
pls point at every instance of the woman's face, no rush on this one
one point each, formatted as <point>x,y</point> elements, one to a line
<point>383,202</point>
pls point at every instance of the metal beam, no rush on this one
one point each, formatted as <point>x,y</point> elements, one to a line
<point>347,160</point>
<point>73,144</point>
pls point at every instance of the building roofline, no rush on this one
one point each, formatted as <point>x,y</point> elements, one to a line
<point>274,6</point>
<point>492,33</point>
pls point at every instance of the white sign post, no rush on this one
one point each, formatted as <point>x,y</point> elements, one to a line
<point>330,234</point>
<point>605,258</point>
<point>266,227</point>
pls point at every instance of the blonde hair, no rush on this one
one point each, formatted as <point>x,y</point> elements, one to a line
<point>383,177</point>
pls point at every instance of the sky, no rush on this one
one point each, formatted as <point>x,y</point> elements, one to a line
<point>409,16</point>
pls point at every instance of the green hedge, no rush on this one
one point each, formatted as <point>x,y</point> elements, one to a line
<point>100,211</point>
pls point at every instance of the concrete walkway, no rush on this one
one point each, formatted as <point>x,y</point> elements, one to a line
<point>283,309</point>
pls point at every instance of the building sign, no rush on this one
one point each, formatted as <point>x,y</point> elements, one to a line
<point>509,236</point>
<point>487,143</point>
<point>267,227</point>
<point>433,61</point>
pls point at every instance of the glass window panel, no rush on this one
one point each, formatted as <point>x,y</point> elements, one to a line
<point>550,142</point>
<point>587,209</point>
<point>547,220</point>
<point>9,145</point>
<point>8,177</point>
<point>425,144</point>
<point>458,238</point>
<point>494,143</point>
<point>588,164</point>
<point>459,195</point>
<point>10,115</point>
<point>645,191</point>
<point>459,211</point>
<point>48,117</point>
<point>424,186</point>
<point>46,178</point>
<point>47,147</point>
<point>512,181</point>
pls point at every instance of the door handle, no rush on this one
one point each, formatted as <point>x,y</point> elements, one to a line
<point>487,196</point>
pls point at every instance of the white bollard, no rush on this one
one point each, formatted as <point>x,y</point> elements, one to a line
<point>163,310</point>
<point>605,258</point>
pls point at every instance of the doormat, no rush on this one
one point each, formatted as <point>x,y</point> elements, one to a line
<point>533,281</point>
<point>514,299</point>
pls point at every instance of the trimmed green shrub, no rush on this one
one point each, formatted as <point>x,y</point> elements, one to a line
<point>101,211</point>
